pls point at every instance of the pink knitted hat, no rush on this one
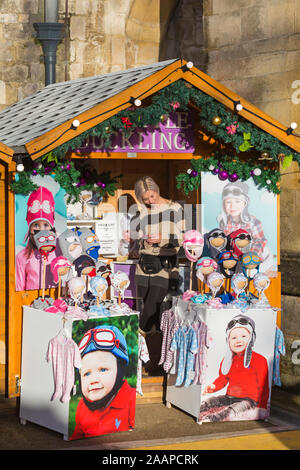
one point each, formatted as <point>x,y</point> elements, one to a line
<point>40,206</point>
<point>193,240</point>
<point>59,262</point>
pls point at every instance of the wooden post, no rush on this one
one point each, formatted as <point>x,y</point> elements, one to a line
<point>59,286</point>
<point>44,277</point>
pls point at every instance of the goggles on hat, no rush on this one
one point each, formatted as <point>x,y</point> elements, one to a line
<point>192,241</point>
<point>217,234</point>
<point>91,238</point>
<point>43,238</point>
<point>206,263</point>
<point>227,255</point>
<point>234,191</point>
<point>243,236</point>
<point>248,259</point>
<point>240,321</point>
<point>103,340</point>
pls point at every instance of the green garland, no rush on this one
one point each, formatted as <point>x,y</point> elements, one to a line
<point>191,180</point>
<point>241,135</point>
<point>72,177</point>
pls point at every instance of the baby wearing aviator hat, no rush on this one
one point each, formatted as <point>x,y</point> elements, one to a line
<point>244,372</point>
<point>108,401</point>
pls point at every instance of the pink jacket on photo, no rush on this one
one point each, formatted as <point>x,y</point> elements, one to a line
<point>29,272</point>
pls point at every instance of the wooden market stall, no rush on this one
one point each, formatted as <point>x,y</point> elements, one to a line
<point>6,165</point>
<point>61,117</point>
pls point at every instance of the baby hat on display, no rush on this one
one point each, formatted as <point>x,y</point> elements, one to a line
<point>236,280</point>
<point>98,285</point>
<point>227,262</point>
<point>242,237</point>
<point>56,264</point>
<point>120,281</point>
<point>83,262</point>
<point>261,282</point>
<point>205,266</point>
<point>76,287</point>
<point>250,261</point>
<point>193,245</point>
<point>45,241</point>
<point>104,338</point>
<point>239,321</point>
<point>40,206</point>
<point>214,281</point>
<point>69,244</point>
<point>214,242</point>
<point>89,241</point>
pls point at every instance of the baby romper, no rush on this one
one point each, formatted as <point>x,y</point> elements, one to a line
<point>186,345</point>
<point>64,354</point>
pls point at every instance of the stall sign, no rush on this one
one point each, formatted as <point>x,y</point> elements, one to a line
<point>108,234</point>
<point>175,134</point>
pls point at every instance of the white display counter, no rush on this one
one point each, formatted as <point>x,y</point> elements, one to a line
<point>190,398</point>
<point>37,380</point>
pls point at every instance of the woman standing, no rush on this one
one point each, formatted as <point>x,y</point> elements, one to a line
<point>159,229</point>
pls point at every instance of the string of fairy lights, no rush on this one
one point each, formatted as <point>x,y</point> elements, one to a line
<point>137,102</point>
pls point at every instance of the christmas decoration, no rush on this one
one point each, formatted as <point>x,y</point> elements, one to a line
<point>216,120</point>
<point>243,138</point>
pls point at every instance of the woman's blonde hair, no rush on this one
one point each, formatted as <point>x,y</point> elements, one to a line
<point>146,183</point>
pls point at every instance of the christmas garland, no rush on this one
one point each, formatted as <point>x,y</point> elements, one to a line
<point>226,126</point>
<point>225,168</point>
<point>72,177</point>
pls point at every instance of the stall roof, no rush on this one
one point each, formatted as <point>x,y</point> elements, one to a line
<point>55,104</point>
<point>43,121</point>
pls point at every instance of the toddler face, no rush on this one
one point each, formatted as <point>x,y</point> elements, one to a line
<point>238,339</point>
<point>234,207</point>
<point>98,374</point>
<point>39,225</point>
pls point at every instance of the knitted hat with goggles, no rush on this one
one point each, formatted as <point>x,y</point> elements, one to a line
<point>104,338</point>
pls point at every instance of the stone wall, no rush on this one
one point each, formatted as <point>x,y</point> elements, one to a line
<point>253,48</point>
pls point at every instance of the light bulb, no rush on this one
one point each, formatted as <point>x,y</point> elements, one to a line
<point>20,167</point>
<point>293,125</point>
<point>189,65</point>
<point>76,123</point>
<point>137,102</point>
<point>239,107</point>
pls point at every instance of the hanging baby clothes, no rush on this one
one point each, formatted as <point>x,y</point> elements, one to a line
<point>204,340</point>
<point>64,354</point>
<point>169,323</point>
<point>278,349</point>
<point>185,343</point>
<point>143,356</point>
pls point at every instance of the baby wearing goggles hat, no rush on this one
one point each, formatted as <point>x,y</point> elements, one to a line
<point>108,401</point>
<point>244,372</point>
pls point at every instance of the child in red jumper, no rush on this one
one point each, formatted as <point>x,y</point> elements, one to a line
<point>243,370</point>
<point>108,402</point>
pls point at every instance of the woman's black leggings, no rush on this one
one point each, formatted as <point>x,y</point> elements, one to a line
<point>152,289</point>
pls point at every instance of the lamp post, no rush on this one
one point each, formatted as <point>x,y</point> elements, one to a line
<point>50,34</point>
